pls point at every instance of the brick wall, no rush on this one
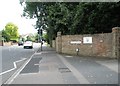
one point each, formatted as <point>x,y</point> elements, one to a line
<point>7,43</point>
<point>102,45</point>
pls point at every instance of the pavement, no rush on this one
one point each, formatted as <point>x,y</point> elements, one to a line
<point>49,67</point>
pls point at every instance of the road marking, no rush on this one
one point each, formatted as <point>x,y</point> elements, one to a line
<point>75,72</point>
<point>69,56</point>
<point>38,53</point>
<point>15,66</point>
<point>36,64</point>
<point>28,74</point>
<point>10,80</point>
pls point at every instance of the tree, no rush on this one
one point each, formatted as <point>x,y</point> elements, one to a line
<point>5,36</point>
<point>96,17</point>
<point>11,31</point>
<point>36,37</point>
<point>31,37</point>
<point>75,18</point>
<point>45,37</point>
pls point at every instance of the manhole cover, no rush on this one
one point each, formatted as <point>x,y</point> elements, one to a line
<point>64,70</point>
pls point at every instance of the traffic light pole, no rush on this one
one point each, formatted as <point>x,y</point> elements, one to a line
<point>41,42</point>
<point>40,37</point>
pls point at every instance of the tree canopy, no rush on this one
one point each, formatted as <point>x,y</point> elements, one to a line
<point>10,32</point>
<point>74,17</point>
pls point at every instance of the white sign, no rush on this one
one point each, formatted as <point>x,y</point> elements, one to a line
<point>75,42</point>
<point>87,40</point>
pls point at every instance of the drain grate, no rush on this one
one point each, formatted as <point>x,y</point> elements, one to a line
<point>64,70</point>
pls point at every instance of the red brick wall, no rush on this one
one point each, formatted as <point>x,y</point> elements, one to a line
<point>103,45</point>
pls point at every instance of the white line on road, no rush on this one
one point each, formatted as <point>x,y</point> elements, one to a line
<point>15,66</point>
<point>10,80</point>
<point>75,72</point>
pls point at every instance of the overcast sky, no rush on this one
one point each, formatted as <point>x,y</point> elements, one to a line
<point>10,11</point>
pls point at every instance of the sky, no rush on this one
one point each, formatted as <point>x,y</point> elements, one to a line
<point>11,11</point>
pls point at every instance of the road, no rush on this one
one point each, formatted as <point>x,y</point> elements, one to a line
<point>49,67</point>
<point>13,57</point>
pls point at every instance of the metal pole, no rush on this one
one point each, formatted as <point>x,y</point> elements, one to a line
<point>41,38</point>
<point>38,38</point>
<point>41,41</point>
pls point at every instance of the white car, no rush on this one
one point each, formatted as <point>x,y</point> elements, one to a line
<point>28,44</point>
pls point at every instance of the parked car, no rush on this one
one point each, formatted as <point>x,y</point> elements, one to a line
<point>28,44</point>
<point>20,43</point>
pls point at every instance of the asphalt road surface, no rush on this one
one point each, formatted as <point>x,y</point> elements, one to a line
<point>13,57</point>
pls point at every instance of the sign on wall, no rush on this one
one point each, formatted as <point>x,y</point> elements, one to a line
<point>75,42</point>
<point>87,40</point>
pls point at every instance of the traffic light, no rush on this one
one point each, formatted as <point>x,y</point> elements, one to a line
<point>40,31</point>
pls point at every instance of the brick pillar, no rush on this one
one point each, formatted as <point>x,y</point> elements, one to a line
<point>59,42</point>
<point>53,44</point>
<point>116,42</point>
